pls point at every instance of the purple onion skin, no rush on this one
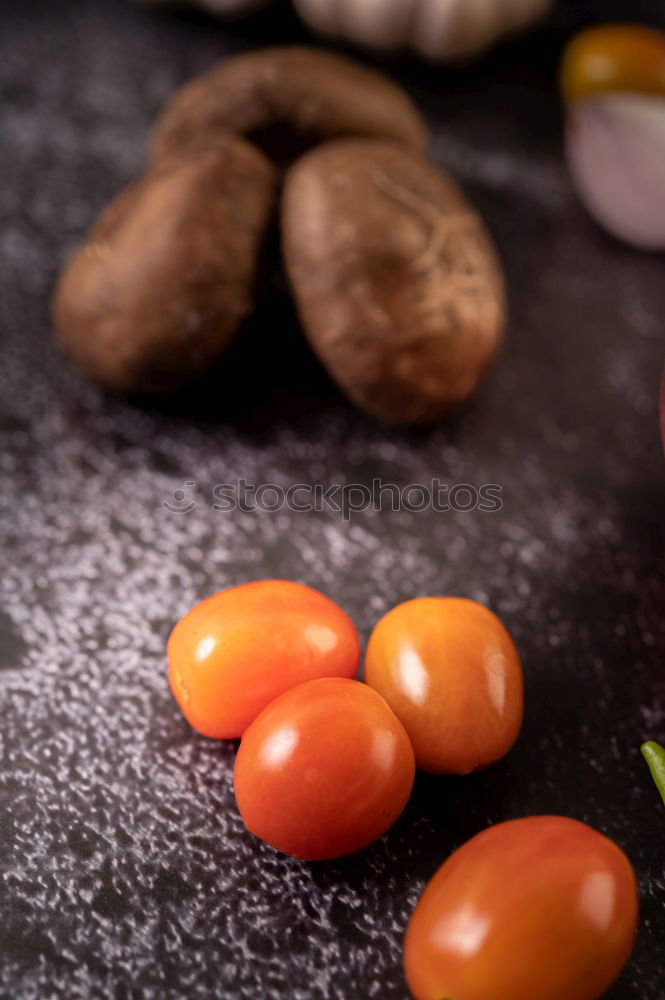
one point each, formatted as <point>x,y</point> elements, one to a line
<point>616,154</point>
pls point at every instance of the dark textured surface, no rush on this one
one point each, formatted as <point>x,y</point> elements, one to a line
<point>124,868</point>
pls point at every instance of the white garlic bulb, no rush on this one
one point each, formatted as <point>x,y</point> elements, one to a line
<point>437,29</point>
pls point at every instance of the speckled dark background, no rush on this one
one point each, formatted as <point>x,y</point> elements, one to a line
<point>124,868</point>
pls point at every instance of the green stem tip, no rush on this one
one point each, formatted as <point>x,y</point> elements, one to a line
<point>654,755</point>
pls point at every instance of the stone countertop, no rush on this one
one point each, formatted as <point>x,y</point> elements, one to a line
<point>124,868</point>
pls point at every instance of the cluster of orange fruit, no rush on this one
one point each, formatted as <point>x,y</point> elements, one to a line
<point>537,907</point>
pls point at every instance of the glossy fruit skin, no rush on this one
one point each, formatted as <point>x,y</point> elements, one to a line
<point>450,672</point>
<point>627,58</point>
<point>543,908</point>
<point>324,770</point>
<point>233,653</point>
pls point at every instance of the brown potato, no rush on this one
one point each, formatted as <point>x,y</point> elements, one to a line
<point>166,275</point>
<point>396,280</point>
<point>286,100</point>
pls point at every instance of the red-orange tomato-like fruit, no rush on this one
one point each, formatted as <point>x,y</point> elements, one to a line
<point>450,672</point>
<point>233,653</point>
<point>543,908</point>
<point>324,770</point>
